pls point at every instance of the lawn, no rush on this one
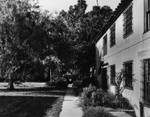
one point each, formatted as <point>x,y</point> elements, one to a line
<point>31,102</point>
<point>26,106</point>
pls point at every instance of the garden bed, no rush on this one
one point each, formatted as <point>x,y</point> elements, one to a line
<point>97,103</point>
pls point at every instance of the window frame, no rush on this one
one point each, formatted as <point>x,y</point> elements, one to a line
<point>128,78</point>
<point>128,21</point>
<point>146,81</point>
<point>146,15</point>
<point>113,35</point>
<point>112,74</point>
<point>105,45</point>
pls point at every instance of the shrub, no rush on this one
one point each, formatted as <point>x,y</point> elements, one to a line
<point>53,83</point>
<point>2,79</point>
<point>102,98</point>
<point>86,95</point>
<point>76,84</point>
<point>96,97</point>
<point>59,83</point>
<point>87,81</point>
<point>96,112</point>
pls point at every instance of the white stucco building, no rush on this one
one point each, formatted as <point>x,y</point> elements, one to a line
<point>124,43</point>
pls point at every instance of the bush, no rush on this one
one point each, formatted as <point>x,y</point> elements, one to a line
<point>76,84</point>
<point>87,81</point>
<point>86,95</point>
<point>59,83</point>
<point>96,112</point>
<point>96,97</point>
<point>2,79</point>
<point>53,83</point>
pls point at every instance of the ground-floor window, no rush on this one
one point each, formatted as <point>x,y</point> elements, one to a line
<point>128,74</point>
<point>112,74</point>
<point>147,81</point>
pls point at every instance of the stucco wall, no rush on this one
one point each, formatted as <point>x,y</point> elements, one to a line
<point>134,47</point>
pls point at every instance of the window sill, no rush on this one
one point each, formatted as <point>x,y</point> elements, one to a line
<point>145,31</point>
<point>112,46</point>
<point>129,88</point>
<point>113,84</point>
<point>147,104</point>
<point>127,35</point>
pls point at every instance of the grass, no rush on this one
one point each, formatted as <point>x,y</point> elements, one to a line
<point>49,91</point>
<point>56,108</point>
<point>33,102</point>
<point>25,106</point>
<point>96,112</point>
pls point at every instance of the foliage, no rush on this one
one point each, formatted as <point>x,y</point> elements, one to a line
<point>96,112</point>
<point>96,97</point>
<point>30,38</point>
<point>84,26</point>
<point>76,84</point>
<point>23,38</point>
<point>58,83</point>
<point>119,78</point>
<point>87,81</point>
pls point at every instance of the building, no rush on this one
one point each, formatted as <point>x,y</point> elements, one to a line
<point>124,43</point>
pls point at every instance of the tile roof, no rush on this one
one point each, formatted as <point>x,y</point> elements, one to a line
<point>118,11</point>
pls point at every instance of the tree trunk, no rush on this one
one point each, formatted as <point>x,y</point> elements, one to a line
<point>10,85</point>
<point>93,71</point>
<point>50,74</point>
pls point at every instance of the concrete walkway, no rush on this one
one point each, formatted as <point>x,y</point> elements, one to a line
<point>70,106</point>
<point>121,114</point>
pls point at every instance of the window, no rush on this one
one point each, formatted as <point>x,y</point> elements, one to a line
<point>127,22</point>
<point>147,80</point>
<point>105,45</point>
<point>112,74</point>
<point>112,36</point>
<point>128,74</point>
<point>147,15</point>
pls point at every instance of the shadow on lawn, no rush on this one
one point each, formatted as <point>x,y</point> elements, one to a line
<point>38,91</point>
<point>25,106</point>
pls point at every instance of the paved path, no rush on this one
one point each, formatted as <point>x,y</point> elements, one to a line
<point>70,106</point>
<point>120,114</point>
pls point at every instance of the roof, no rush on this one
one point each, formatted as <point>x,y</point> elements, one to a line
<point>118,11</point>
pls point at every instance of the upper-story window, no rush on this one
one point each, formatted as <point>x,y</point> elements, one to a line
<point>105,45</point>
<point>147,15</point>
<point>128,74</point>
<point>127,22</point>
<point>112,35</point>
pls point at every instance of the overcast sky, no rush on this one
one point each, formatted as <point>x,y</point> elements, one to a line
<point>58,5</point>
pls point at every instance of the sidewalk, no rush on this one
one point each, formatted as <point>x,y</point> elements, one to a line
<point>70,106</point>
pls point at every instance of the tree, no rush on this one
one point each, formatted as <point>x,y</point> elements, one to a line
<point>92,23</point>
<point>24,37</point>
<point>84,27</point>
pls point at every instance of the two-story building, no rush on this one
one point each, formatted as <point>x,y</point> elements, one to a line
<point>124,43</point>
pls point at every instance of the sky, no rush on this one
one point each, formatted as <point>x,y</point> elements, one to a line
<point>58,5</point>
